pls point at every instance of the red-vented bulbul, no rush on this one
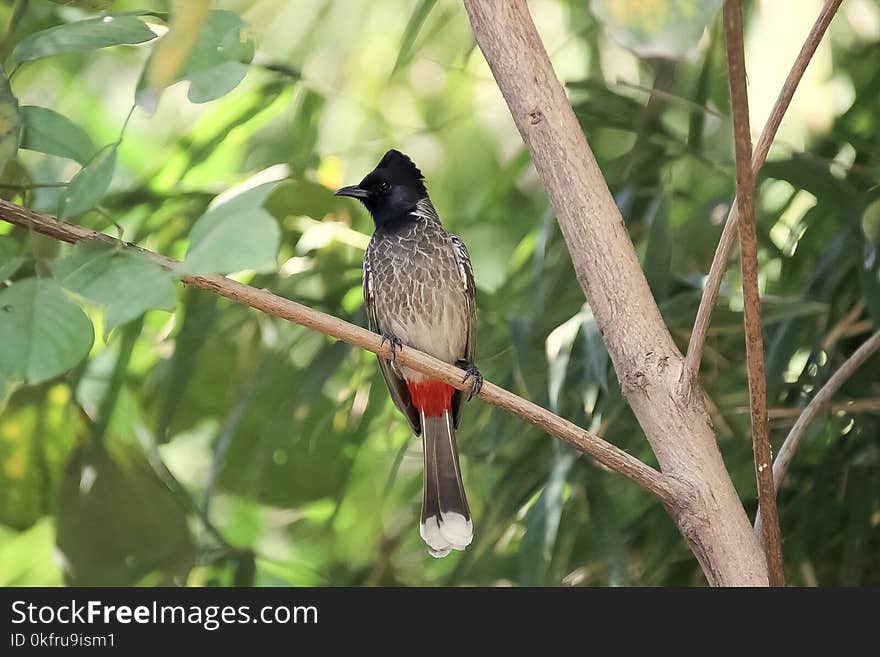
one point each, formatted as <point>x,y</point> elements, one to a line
<point>419,292</point>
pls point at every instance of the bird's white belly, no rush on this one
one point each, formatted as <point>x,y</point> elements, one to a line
<point>438,328</point>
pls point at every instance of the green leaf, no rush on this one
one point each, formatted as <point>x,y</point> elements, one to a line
<point>659,252</point>
<point>28,557</point>
<point>125,281</point>
<point>87,4</point>
<point>90,34</point>
<point>320,458</point>
<point>595,352</point>
<point>780,309</point>
<point>42,333</point>
<point>212,83</point>
<point>217,62</point>
<point>871,223</point>
<point>223,39</point>
<point>10,121</point>
<point>542,522</point>
<point>89,185</point>
<point>47,131</point>
<point>660,28</point>
<point>119,524</point>
<point>774,310</point>
<point>602,107</point>
<point>10,259</point>
<point>102,391</point>
<point>36,436</point>
<point>14,179</point>
<point>813,177</point>
<point>239,234</point>
<point>606,527</point>
<point>9,264</point>
<point>558,348</point>
<point>245,569</point>
<point>413,27</point>
<point>171,53</point>
<point>303,198</point>
<point>300,152</point>
<point>869,279</point>
<point>199,310</point>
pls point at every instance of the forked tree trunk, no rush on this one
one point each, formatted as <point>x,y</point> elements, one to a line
<point>649,366</point>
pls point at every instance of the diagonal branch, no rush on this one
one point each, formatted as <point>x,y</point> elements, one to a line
<point>612,457</point>
<point>816,406</point>
<point>748,240</point>
<point>728,236</point>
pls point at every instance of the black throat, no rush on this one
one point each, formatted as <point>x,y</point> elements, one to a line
<point>392,220</point>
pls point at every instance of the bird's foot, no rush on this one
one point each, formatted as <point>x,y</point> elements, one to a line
<point>394,342</point>
<point>476,378</point>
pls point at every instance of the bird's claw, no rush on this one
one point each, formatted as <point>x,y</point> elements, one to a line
<point>476,378</point>
<point>394,342</point>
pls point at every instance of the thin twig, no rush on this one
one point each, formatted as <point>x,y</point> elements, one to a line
<point>816,406</point>
<point>671,97</point>
<point>728,236</point>
<point>841,328</point>
<point>745,191</point>
<point>870,405</point>
<point>128,116</point>
<point>864,326</point>
<point>664,487</point>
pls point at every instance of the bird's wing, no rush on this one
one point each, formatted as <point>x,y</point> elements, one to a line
<point>466,273</point>
<point>396,385</point>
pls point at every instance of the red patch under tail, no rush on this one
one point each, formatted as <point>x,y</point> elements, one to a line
<point>430,396</point>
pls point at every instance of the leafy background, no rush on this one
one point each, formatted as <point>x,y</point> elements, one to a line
<point>152,434</point>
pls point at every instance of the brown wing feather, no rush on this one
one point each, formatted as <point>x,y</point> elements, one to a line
<point>463,259</point>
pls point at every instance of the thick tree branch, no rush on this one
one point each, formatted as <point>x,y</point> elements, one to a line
<point>728,235</point>
<point>748,240</point>
<point>816,406</point>
<point>648,364</point>
<point>614,458</point>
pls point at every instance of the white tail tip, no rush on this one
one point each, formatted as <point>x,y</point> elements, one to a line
<point>456,529</point>
<point>452,531</point>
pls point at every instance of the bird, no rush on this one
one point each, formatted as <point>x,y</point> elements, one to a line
<point>419,292</point>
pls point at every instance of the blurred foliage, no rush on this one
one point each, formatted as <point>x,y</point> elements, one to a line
<point>658,28</point>
<point>203,443</point>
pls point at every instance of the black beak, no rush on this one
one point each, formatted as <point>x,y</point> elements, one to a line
<point>352,190</point>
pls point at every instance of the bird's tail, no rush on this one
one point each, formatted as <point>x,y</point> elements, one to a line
<point>446,519</point>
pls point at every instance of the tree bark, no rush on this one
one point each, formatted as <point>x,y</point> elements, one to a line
<point>649,366</point>
<point>748,248</point>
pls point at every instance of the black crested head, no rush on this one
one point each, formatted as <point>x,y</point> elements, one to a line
<point>391,190</point>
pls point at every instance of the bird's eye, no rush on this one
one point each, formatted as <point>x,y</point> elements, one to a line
<point>384,187</point>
